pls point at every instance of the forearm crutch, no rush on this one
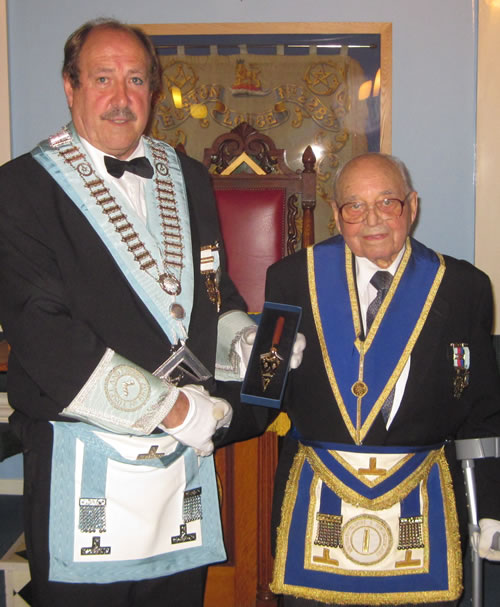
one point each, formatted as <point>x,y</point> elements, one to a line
<point>469,450</point>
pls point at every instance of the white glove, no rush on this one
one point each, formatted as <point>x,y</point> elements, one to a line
<point>222,411</point>
<point>489,539</point>
<point>246,342</point>
<point>244,348</point>
<point>298,351</point>
<point>205,415</point>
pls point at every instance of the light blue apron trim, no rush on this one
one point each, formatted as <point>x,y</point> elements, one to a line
<point>146,287</point>
<point>94,470</point>
<point>62,517</point>
<point>95,465</point>
<point>185,298</point>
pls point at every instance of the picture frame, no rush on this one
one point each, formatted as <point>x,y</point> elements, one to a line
<point>206,63</point>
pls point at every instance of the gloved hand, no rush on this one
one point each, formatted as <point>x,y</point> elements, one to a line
<point>244,348</point>
<point>205,415</point>
<point>298,351</point>
<point>246,343</point>
<point>489,539</point>
<point>222,411</point>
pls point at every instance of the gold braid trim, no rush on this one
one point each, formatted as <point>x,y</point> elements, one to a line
<point>455,567</point>
<point>351,284</point>
<point>353,497</point>
<point>287,507</point>
<point>366,481</point>
<point>359,432</point>
<point>321,337</point>
<point>454,555</point>
<point>409,346</point>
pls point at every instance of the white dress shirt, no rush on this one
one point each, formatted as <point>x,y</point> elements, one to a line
<point>365,269</point>
<point>129,184</point>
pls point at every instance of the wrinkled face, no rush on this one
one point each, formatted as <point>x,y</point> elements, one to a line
<point>110,108</point>
<point>368,179</point>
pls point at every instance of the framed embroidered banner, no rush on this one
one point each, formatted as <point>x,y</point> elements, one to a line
<point>327,85</point>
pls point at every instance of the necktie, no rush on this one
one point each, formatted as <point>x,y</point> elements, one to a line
<point>139,166</point>
<point>381,280</point>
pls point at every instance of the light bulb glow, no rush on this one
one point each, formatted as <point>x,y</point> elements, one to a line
<point>176,96</point>
<point>365,90</point>
<point>198,110</point>
<point>376,84</point>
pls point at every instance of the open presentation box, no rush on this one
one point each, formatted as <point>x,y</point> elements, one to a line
<point>267,371</point>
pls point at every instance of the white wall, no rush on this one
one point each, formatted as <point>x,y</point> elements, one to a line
<point>433,82</point>
<point>488,154</point>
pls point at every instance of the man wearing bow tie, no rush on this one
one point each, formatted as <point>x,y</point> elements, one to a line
<point>399,363</point>
<point>111,259</point>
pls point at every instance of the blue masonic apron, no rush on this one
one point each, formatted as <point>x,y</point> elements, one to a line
<point>368,525</point>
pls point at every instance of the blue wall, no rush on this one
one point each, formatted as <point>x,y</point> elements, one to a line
<point>12,468</point>
<point>433,83</point>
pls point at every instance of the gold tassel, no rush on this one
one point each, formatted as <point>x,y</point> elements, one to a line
<point>281,425</point>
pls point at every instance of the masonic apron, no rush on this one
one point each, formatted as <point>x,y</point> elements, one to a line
<point>368,524</point>
<point>126,504</point>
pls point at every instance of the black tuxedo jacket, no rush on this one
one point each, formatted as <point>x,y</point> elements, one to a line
<point>429,413</point>
<point>64,300</point>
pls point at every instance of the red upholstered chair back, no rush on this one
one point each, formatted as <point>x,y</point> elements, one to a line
<point>254,232</point>
<point>257,197</point>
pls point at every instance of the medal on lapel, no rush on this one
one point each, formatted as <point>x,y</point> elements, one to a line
<point>210,268</point>
<point>461,364</point>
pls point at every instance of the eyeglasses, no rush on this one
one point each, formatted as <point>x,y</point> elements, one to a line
<point>357,212</point>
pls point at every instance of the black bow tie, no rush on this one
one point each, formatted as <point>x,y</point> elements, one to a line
<point>139,166</point>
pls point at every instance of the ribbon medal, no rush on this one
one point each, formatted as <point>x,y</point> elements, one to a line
<point>461,364</point>
<point>210,268</point>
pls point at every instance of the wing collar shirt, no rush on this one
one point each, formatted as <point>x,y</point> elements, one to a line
<point>129,184</point>
<point>365,269</point>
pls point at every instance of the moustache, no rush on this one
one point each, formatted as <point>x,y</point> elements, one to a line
<point>124,113</point>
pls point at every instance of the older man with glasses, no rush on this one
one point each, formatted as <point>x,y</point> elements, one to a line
<point>399,363</point>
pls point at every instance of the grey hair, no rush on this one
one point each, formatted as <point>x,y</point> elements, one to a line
<point>398,164</point>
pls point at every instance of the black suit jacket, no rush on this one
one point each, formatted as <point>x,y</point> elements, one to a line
<point>64,300</point>
<point>429,413</point>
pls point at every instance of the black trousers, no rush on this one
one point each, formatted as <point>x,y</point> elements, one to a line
<point>180,590</point>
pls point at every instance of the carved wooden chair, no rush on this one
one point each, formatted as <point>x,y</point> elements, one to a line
<point>265,209</point>
<point>258,196</point>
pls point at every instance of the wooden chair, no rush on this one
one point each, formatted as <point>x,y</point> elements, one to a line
<point>4,355</point>
<point>258,197</point>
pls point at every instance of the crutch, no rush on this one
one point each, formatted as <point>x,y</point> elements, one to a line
<point>468,450</point>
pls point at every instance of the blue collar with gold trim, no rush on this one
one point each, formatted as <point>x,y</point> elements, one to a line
<point>362,372</point>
